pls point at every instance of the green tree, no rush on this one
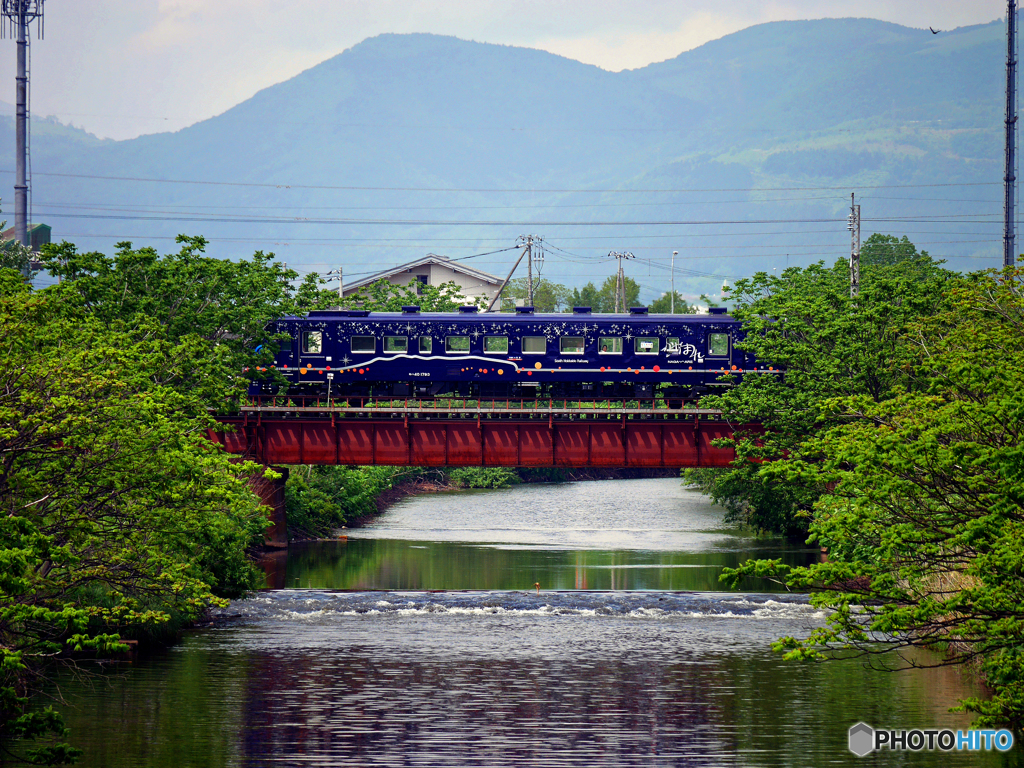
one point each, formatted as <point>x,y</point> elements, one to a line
<point>587,296</point>
<point>116,517</point>
<point>320,499</point>
<point>663,305</point>
<point>923,504</point>
<point>887,250</point>
<point>805,323</point>
<point>384,296</point>
<point>547,296</point>
<point>221,308</point>
<point>14,255</point>
<point>603,299</point>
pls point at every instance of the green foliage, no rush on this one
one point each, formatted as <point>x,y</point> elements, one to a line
<point>14,255</point>
<point>607,294</point>
<point>886,250</point>
<point>384,296</point>
<point>217,308</point>
<point>603,299</point>
<point>482,477</point>
<point>587,296</point>
<point>922,497</point>
<point>663,305</point>
<point>320,499</point>
<point>115,513</point>
<point>547,296</point>
<point>829,346</point>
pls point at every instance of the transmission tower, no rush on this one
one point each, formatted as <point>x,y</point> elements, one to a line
<point>17,15</point>
<point>1010,177</point>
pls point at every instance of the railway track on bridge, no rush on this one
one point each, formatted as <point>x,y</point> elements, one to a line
<point>478,409</point>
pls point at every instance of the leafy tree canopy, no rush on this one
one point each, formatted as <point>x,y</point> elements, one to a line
<point>603,299</point>
<point>587,296</point>
<point>385,296</point>
<point>115,512</point>
<point>886,250</point>
<point>922,497</point>
<point>805,323</point>
<point>14,255</point>
<point>547,296</point>
<point>663,305</point>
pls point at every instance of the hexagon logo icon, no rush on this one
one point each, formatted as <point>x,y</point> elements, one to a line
<point>862,739</point>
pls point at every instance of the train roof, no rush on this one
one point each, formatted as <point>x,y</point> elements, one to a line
<point>468,314</point>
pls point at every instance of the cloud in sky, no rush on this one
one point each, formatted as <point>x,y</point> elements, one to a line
<point>126,67</point>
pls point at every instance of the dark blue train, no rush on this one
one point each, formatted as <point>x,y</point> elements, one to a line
<point>414,354</point>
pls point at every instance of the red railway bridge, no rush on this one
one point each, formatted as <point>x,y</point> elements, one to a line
<point>461,433</point>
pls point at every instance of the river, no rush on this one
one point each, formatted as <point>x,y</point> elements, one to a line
<point>577,624</point>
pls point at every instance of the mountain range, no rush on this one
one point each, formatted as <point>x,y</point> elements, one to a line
<point>740,154</point>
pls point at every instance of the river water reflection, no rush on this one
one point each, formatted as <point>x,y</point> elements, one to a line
<point>631,655</point>
<point>622,534</point>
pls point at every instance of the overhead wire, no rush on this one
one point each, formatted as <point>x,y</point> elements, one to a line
<point>285,185</point>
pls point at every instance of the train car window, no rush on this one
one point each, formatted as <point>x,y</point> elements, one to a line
<point>364,344</point>
<point>645,345</point>
<point>718,344</point>
<point>312,342</point>
<point>535,345</point>
<point>571,345</point>
<point>611,345</point>
<point>426,344</point>
<point>285,345</point>
<point>673,346</point>
<point>396,344</point>
<point>498,344</point>
<point>456,343</point>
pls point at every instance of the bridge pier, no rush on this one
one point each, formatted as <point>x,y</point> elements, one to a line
<point>271,492</point>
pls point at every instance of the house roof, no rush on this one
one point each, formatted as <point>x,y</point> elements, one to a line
<point>8,234</point>
<point>430,258</point>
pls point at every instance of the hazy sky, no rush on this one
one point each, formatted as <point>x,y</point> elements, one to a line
<point>120,68</point>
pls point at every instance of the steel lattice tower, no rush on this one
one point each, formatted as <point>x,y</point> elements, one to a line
<point>1010,178</point>
<point>17,15</point>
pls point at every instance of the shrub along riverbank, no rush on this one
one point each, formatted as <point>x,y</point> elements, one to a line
<point>894,441</point>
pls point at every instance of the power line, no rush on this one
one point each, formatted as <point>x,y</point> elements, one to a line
<point>199,182</point>
<point>171,208</point>
<point>221,219</point>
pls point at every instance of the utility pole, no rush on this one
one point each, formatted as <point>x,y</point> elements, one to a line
<point>527,242</point>
<point>341,281</point>
<point>618,288</point>
<point>529,271</point>
<point>854,227</point>
<point>18,14</point>
<point>1010,177</point>
<point>620,279</point>
<point>672,301</point>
